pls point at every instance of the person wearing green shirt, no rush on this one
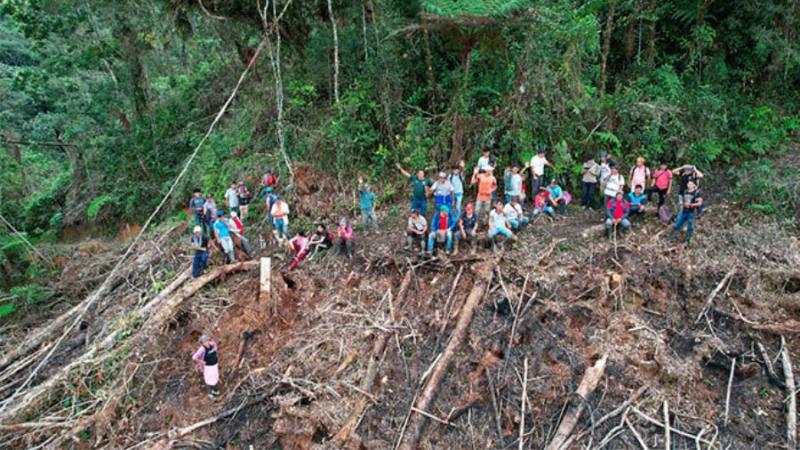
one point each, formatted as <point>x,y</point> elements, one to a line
<point>367,203</point>
<point>420,188</point>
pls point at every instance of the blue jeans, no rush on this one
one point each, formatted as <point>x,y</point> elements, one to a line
<point>448,236</point>
<point>505,232</point>
<point>199,264</point>
<point>281,227</point>
<point>547,210</point>
<point>685,217</point>
<point>516,224</point>
<point>459,199</point>
<point>420,205</point>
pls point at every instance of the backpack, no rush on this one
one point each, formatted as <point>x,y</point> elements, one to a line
<point>665,213</point>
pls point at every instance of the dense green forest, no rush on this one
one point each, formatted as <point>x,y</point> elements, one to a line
<point>103,101</point>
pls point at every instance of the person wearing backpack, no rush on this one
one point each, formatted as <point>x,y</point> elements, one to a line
<point>244,199</point>
<point>661,184</point>
<point>640,174</point>
<point>268,181</point>
<point>208,364</point>
<point>590,172</point>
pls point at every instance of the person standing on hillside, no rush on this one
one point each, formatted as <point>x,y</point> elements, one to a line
<point>196,205</point>
<point>200,247</point>
<point>280,219</point>
<point>457,180</point>
<point>270,200</point>
<point>210,213</point>
<point>223,235</point>
<point>691,202</point>
<point>536,165</point>
<point>487,185</point>
<point>344,236</point>
<point>513,183</point>
<point>237,230</point>
<point>614,183</point>
<point>605,172</point>
<point>208,364</point>
<point>232,198</point>
<point>640,174</point>
<point>661,184</point>
<point>367,203</point>
<point>591,173</point>
<point>416,231</point>
<point>498,225</point>
<point>487,161</point>
<point>419,187</point>
<point>467,228</point>
<point>268,183</point>
<point>688,174</point>
<point>443,193</point>
<point>617,210</point>
<point>244,199</point>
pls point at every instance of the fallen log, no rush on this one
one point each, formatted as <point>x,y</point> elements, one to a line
<point>159,313</point>
<point>368,381</point>
<point>588,384</point>
<point>771,374</point>
<point>714,293</point>
<point>790,326</point>
<point>483,272</point>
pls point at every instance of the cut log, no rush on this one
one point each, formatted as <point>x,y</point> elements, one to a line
<point>588,384</point>
<point>265,284</point>
<point>483,272</point>
<point>368,381</point>
<point>158,314</point>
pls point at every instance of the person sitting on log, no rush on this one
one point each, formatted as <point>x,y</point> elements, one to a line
<point>416,231</point>
<point>441,230</point>
<point>467,228</point>
<point>344,238</point>
<point>617,211</point>
<point>208,364</point>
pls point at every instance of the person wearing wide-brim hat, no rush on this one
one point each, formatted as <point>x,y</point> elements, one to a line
<point>208,364</point>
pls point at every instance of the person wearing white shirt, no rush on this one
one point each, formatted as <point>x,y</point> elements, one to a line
<point>486,162</point>
<point>498,225</point>
<point>514,214</point>
<point>537,165</point>
<point>614,184</point>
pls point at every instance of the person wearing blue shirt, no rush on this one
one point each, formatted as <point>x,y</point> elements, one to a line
<point>367,203</point>
<point>557,197</point>
<point>223,236</point>
<point>637,199</point>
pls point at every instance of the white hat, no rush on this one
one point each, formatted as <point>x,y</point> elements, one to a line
<point>197,229</point>
<point>442,175</point>
<point>233,214</point>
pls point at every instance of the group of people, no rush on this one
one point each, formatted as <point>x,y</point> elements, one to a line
<point>449,224</point>
<point>214,228</point>
<point>622,203</point>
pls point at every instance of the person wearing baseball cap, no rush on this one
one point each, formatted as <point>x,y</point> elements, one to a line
<point>443,192</point>
<point>200,247</point>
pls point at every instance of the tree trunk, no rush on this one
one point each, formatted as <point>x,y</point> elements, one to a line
<point>652,20</point>
<point>612,6</point>
<point>335,53</point>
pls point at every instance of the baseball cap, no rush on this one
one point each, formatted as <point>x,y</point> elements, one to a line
<point>197,229</point>
<point>220,213</point>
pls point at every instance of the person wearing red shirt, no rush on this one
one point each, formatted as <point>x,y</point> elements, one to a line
<point>617,211</point>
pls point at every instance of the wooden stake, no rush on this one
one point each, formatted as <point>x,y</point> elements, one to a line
<point>791,405</point>
<point>667,437</point>
<point>522,405</point>
<point>588,384</point>
<point>265,281</point>
<point>728,394</point>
